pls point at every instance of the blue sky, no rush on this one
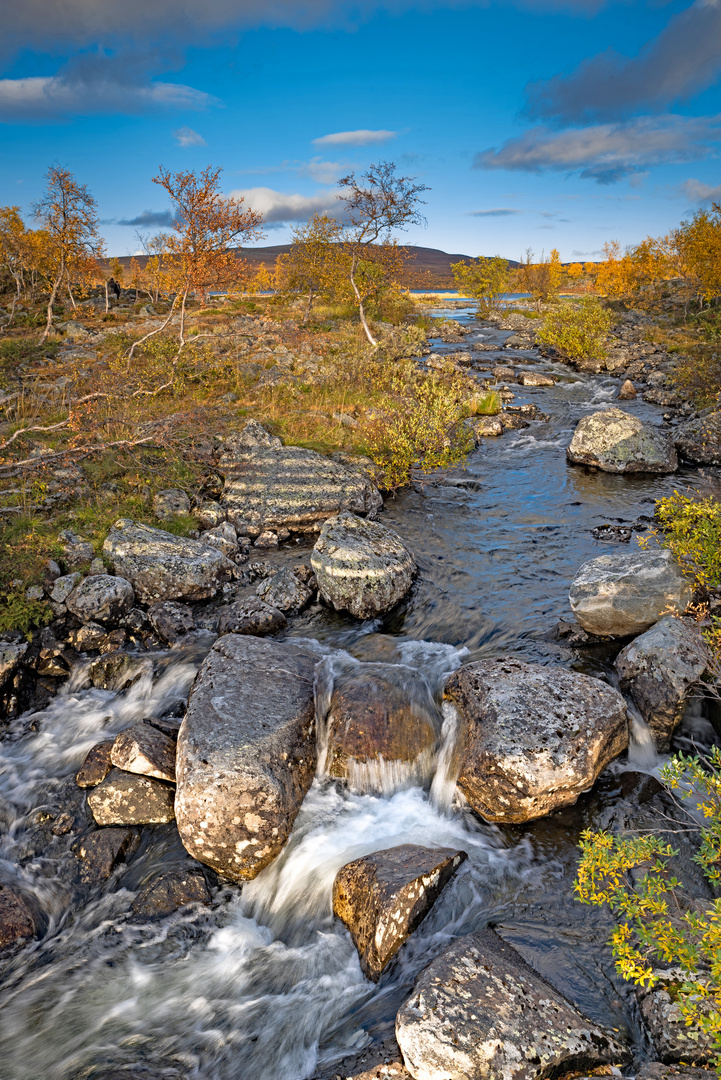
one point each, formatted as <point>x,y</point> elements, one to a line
<point>535,123</point>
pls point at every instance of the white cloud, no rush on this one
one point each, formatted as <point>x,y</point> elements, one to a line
<point>362,137</point>
<point>43,97</point>
<point>698,192</point>
<point>279,206</point>
<point>185,136</point>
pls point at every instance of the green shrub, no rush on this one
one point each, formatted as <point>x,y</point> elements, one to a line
<point>17,613</point>
<point>692,531</point>
<point>577,331</point>
<point>488,404</point>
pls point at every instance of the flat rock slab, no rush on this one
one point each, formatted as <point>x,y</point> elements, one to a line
<point>96,765</point>
<point>161,566</point>
<point>144,750</point>
<point>16,918</point>
<point>168,892</point>
<point>382,898</point>
<point>100,852</point>
<point>361,566</point>
<point>533,737</point>
<point>625,593</point>
<point>246,753</point>
<point>125,799</point>
<point>101,598</point>
<point>271,486</point>
<point>700,440</point>
<point>479,1012</point>
<point>618,442</point>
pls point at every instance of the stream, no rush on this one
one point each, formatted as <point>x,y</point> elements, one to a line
<point>266,985</point>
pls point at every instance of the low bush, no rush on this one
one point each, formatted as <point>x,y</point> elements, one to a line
<point>577,331</point>
<point>692,531</point>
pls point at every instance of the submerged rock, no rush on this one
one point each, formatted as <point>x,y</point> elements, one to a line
<point>100,852</point>
<point>126,799</point>
<point>618,442</point>
<point>479,1012</point>
<point>533,737</point>
<point>168,892</point>
<point>117,669</point>
<point>625,593</point>
<point>382,898</point>
<point>144,750</point>
<point>246,753</point>
<point>16,919</point>
<point>101,598</point>
<point>361,566</point>
<point>700,440</point>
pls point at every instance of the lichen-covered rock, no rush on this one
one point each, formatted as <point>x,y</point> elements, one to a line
<point>484,427</point>
<point>361,566</point>
<point>618,442</point>
<point>63,586</point>
<point>170,503</point>
<point>625,593</point>
<point>250,616</point>
<point>284,591</point>
<point>117,669</point>
<point>168,892</point>
<point>655,1070</point>
<point>161,566</point>
<point>100,852</point>
<point>16,918</point>
<point>270,486</point>
<point>699,440</point>
<point>209,514</point>
<point>125,799</point>
<point>666,1025</point>
<point>479,1012</point>
<point>144,750</point>
<point>170,620</point>
<point>536,378</point>
<point>382,898</point>
<point>101,598</point>
<point>533,737</point>
<point>10,657</point>
<point>223,537</point>
<point>246,753</point>
<point>660,669</point>
<point>76,551</point>
<point>89,636</point>
<point>96,765</point>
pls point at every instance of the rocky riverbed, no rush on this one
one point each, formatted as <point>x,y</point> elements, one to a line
<point>383,743</point>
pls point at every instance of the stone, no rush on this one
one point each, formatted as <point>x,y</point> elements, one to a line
<point>655,1070</point>
<point>625,593</point>
<point>10,656</point>
<point>144,750</point>
<point>172,502</point>
<point>223,537</point>
<point>480,1012</point>
<point>76,332</point>
<point>504,374</point>
<point>533,737</point>
<point>101,598</point>
<point>250,616</point>
<point>627,391</point>
<point>267,539</point>
<point>382,898</point>
<point>269,486</point>
<point>16,919</point>
<point>512,422</point>
<point>618,442</point>
<point>63,587</point>
<point>361,566</point>
<point>536,378</point>
<point>161,566</point>
<point>76,551</point>
<point>125,799</point>
<point>660,669</point>
<point>484,427</point>
<point>170,620</point>
<point>97,566</point>
<point>699,440</point>
<point>662,1016</point>
<point>284,592</point>
<point>209,514</point>
<point>168,892</point>
<point>96,765</point>
<point>35,592</point>
<point>246,753</point>
<point>100,852</point>
<point>117,669</point>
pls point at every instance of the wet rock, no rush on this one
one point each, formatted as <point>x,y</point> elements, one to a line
<point>101,598</point>
<point>113,641</point>
<point>10,656</point>
<point>672,1039</point>
<point>100,852</point>
<point>513,422</point>
<point>144,750</point>
<point>88,637</point>
<point>250,616</point>
<point>618,442</point>
<point>503,373</point>
<point>126,799</point>
<point>612,534</point>
<point>382,898</point>
<point>627,391</point>
<point>660,669</point>
<point>361,566</point>
<point>700,440</point>
<point>96,765</point>
<point>479,1012</point>
<point>223,537</point>
<point>170,620</point>
<point>268,485</point>
<point>170,503</point>
<point>533,737</point>
<point>285,592</point>
<point>76,551</point>
<point>536,378</point>
<point>169,892</point>
<point>246,753</point>
<point>620,594</point>
<point>522,340</point>
<point>484,427</point>
<point>162,566</point>
<point>116,670</point>
<point>16,919</point>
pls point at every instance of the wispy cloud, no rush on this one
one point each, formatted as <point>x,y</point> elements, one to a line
<point>53,97</point>
<point>162,219</point>
<point>499,211</point>
<point>279,206</point>
<point>698,192</point>
<point>362,137</point>
<point>185,136</point>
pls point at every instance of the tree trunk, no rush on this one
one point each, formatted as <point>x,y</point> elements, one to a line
<point>361,311</point>
<point>107,302</point>
<point>308,309</point>
<point>152,333</point>
<point>51,301</point>
<point>70,293</point>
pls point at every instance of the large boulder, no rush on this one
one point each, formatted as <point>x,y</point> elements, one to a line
<point>382,898</point>
<point>101,598</point>
<point>672,1038</point>
<point>161,566</point>
<point>618,442</point>
<point>699,440</point>
<point>271,486</point>
<point>660,669</point>
<point>361,566</point>
<point>625,593</point>
<point>246,753</point>
<point>533,737</point>
<point>479,1012</point>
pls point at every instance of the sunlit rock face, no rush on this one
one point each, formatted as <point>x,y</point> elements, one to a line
<point>699,440</point>
<point>618,442</point>
<point>621,594</point>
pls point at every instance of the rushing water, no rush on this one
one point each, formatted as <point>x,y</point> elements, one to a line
<point>266,984</point>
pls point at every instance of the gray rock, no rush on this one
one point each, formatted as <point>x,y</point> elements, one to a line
<point>504,374</point>
<point>250,616</point>
<point>382,898</point>
<point>100,852</point>
<point>125,799</point>
<point>533,738</point>
<point>97,566</point>
<point>95,766</point>
<point>209,514</point>
<point>168,892</point>
<point>117,669</point>
<point>101,598</point>
<point>654,1070</point>
<point>171,620</point>
<point>144,750</point>
<point>246,753</point>
<point>672,1039</point>
<point>88,636</point>
<point>76,551</point>
<point>16,918</point>
<point>268,485</point>
<point>699,440</point>
<point>536,378</point>
<point>660,669</point>
<point>620,594</point>
<point>223,537</point>
<point>479,1012</point>
<point>63,586</point>
<point>35,592</point>
<point>284,591</point>
<point>267,539</point>
<point>618,442</point>
<point>170,503</point>
<point>10,657</point>
<point>161,566</point>
<point>484,427</point>
<point>361,566</point>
